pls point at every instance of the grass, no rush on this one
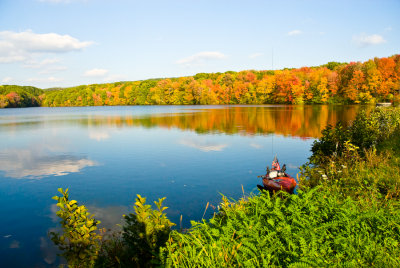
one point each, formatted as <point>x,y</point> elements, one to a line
<point>315,228</point>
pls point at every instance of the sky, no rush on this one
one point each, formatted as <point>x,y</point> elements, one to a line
<point>63,43</point>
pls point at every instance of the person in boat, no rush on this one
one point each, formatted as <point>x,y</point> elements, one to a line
<point>276,179</point>
<point>275,164</point>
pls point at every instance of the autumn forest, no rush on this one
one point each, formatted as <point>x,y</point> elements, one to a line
<point>372,81</point>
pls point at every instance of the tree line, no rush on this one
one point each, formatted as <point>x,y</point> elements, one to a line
<point>372,81</point>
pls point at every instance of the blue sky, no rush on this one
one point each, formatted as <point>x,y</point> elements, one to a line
<point>49,43</point>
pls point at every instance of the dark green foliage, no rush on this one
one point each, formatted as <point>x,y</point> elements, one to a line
<point>332,65</point>
<point>375,175</point>
<point>79,241</point>
<point>331,143</point>
<point>365,132</point>
<point>140,242</point>
<point>53,88</point>
<point>142,91</point>
<point>201,76</point>
<point>360,160</point>
<point>317,228</point>
<point>146,231</point>
<point>113,251</point>
<point>369,130</point>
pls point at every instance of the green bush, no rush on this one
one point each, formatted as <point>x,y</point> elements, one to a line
<point>79,241</point>
<point>361,160</point>
<point>365,132</point>
<point>376,175</point>
<point>146,231</point>
<point>330,144</point>
<point>139,243</point>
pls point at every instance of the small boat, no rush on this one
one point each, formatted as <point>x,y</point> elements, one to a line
<point>383,104</point>
<point>277,179</point>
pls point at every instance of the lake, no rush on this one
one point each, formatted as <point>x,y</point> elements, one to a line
<point>107,155</point>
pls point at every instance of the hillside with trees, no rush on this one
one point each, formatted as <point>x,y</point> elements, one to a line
<point>372,81</point>
<point>18,96</point>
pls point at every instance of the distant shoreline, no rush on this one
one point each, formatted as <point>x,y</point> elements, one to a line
<point>370,82</point>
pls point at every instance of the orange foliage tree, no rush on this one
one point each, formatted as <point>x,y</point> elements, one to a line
<point>356,82</point>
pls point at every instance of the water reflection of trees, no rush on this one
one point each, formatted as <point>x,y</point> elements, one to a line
<point>298,121</point>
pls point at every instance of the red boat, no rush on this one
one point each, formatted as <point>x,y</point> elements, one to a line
<point>277,179</point>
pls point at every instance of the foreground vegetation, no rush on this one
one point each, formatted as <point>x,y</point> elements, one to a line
<point>356,82</point>
<point>346,213</point>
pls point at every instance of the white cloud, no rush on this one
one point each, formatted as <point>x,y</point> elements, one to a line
<point>34,64</point>
<point>364,40</point>
<point>50,42</point>
<point>294,32</point>
<point>46,66</point>
<point>50,79</point>
<point>255,55</point>
<point>53,69</point>
<point>201,57</point>
<point>202,145</point>
<point>20,46</point>
<point>8,53</point>
<point>95,72</point>
<point>7,79</point>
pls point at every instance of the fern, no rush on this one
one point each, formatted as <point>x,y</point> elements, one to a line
<point>315,228</point>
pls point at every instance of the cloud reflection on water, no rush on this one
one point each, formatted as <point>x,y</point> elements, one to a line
<point>256,145</point>
<point>48,249</point>
<point>36,163</point>
<point>98,135</point>
<point>202,145</point>
<point>14,244</point>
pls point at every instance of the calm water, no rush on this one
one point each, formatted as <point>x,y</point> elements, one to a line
<point>107,155</point>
